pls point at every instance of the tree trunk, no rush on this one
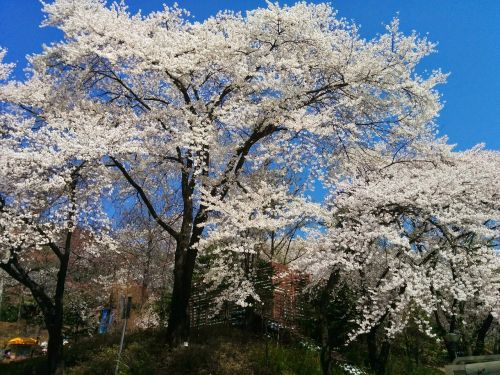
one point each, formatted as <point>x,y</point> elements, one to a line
<point>451,346</point>
<point>378,359</point>
<point>53,317</point>
<point>372,349</point>
<point>324,327</point>
<point>55,360</point>
<point>179,319</point>
<point>451,349</point>
<point>55,320</point>
<point>481,335</point>
<point>326,350</point>
<point>383,357</point>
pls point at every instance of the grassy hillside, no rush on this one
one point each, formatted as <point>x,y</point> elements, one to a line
<point>221,351</point>
<point>212,351</point>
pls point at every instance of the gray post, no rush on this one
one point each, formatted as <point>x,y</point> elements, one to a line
<point>126,306</point>
<point>121,346</point>
<point>1,294</point>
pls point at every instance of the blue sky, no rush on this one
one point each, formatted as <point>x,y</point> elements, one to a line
<point>468,32</point>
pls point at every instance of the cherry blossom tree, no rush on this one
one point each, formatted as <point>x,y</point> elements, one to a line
<point>250,219</point>
<point>46,194</point>
<point>417,237</point>
<point>207,103</point>
<point>34,222</point>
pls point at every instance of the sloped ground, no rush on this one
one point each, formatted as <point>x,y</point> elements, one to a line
<point>218,350</point>
<point>214,351</point>
<point>222,351</point>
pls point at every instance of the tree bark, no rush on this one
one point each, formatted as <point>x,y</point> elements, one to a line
<point>324,326</point>
<point>451,347</point>
<point>54,319</point>
<point>481,335</point>
<point>52,310</point>
<point>326,350</point>
<point>377,359</point>
<point>55,360</point>
<point>179,318</point>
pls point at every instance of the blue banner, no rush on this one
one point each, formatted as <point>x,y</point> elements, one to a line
<point>105,320</point>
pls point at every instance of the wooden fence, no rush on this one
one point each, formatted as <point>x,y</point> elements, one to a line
<point>279,288</point>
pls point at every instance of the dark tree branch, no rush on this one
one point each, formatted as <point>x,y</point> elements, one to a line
<point>145,199</point>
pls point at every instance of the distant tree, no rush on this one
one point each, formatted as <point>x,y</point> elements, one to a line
<point>146,251</point>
